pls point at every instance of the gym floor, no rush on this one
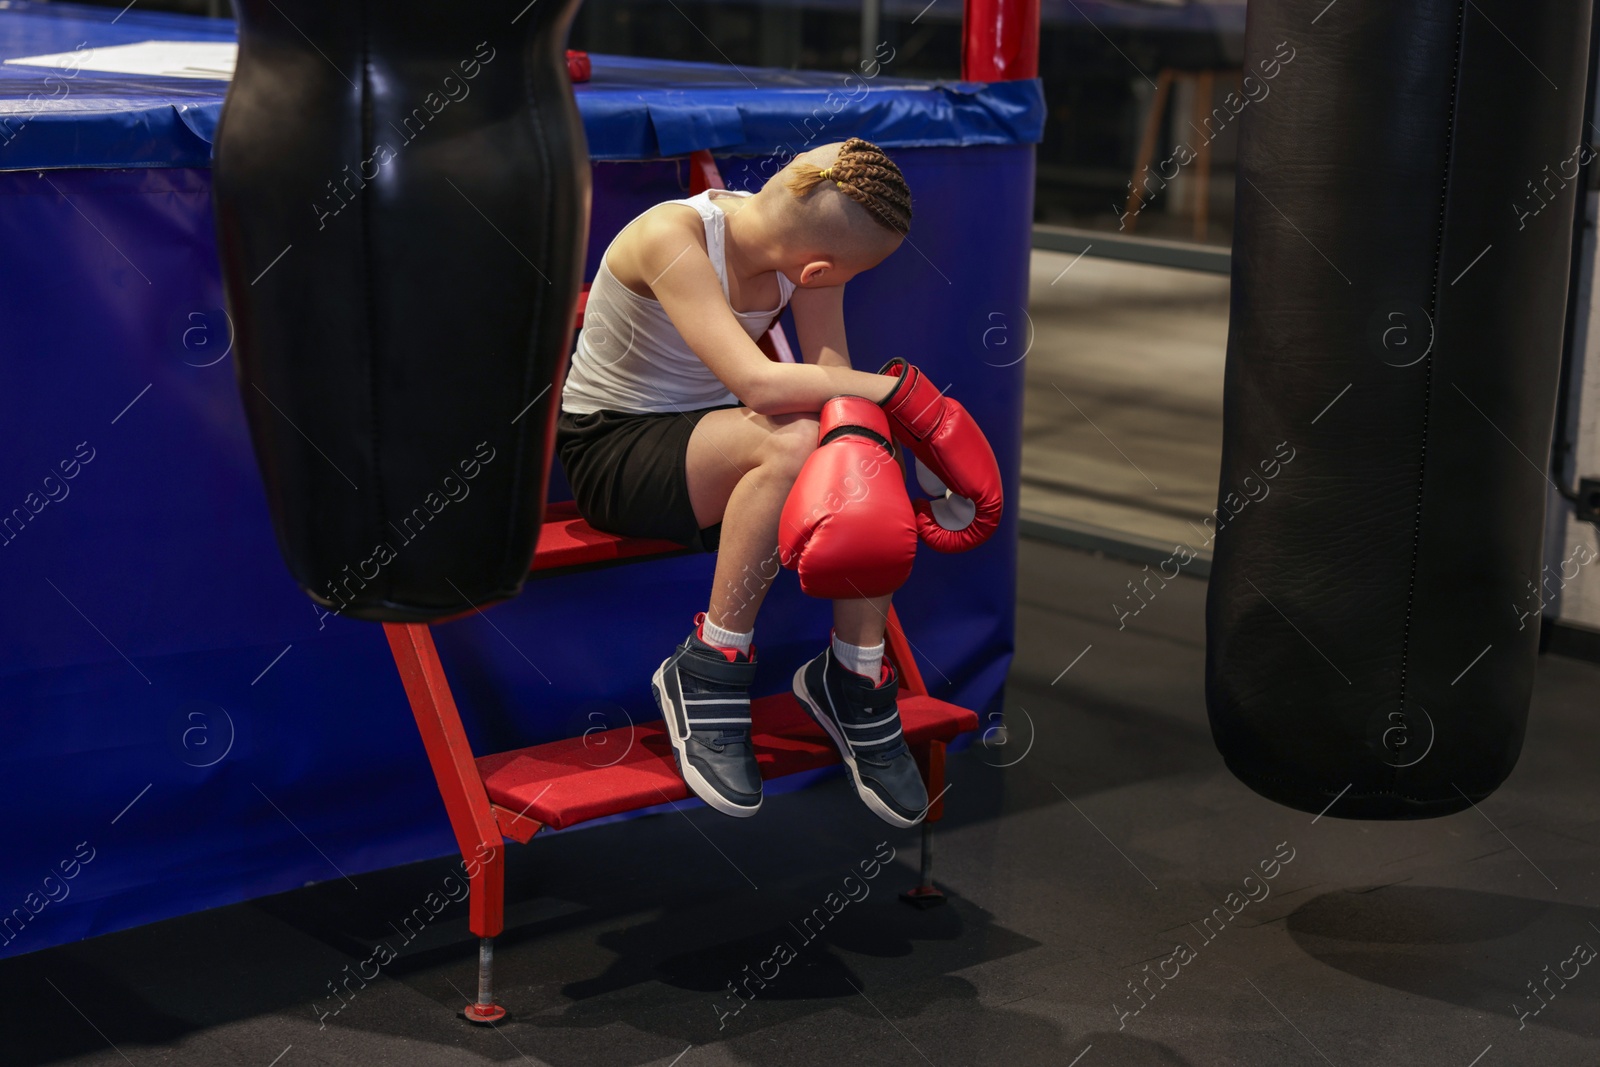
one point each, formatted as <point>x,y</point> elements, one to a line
<point>1103,832</point>
<point>1122,416</point>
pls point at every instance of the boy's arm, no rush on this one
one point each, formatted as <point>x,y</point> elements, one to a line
<point>819,324</point>
<point>681,277</point>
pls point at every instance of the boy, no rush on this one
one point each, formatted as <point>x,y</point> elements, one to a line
<point>675,425</point>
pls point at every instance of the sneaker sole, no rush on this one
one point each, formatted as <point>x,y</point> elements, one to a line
<point>698,784</point>
<point>824,720</point>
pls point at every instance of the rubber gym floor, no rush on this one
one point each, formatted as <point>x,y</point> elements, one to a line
<point>1077,855</point>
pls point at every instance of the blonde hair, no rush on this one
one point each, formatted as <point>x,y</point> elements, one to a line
<point>864,172</point>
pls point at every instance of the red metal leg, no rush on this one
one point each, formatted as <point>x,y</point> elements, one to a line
<point>465,800</point>
<point>906,666</point>
<point>581,308</point>
<point>484,1009</point>
<point>703,172</point>
<point>930,761</point>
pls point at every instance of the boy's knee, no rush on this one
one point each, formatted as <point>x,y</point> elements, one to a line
<point>791,444</point>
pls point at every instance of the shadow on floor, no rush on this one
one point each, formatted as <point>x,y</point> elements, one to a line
<point>1458,946</point>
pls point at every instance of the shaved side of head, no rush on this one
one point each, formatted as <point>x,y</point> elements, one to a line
<point>846,199</point>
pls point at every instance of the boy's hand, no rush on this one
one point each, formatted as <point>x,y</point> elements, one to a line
<point>956,455</point>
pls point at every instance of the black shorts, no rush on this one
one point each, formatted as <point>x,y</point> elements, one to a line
<point>629,474</point>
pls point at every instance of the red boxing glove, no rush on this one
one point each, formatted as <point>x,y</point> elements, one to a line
<point>953,453</point>
<point>847,526</point>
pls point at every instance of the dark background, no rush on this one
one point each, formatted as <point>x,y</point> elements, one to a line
<point>1097,78</point>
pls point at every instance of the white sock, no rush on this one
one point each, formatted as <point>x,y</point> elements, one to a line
<point>712,634</point>
<point>865,660</point>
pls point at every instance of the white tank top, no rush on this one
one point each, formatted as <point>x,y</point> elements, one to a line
<point>630,357</point>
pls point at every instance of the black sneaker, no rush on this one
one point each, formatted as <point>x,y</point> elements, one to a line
<point>865,726</point>
<point>704,695</point>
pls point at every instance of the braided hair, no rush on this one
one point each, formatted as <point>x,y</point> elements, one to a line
<point>863,172</point>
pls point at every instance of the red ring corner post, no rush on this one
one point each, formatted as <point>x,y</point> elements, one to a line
<point>1000,40</point>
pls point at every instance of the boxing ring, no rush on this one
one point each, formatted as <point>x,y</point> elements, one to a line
<point>181,725</point>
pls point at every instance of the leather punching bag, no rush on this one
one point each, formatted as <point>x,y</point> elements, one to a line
<point>1400,272</point>
<point>402,202</point>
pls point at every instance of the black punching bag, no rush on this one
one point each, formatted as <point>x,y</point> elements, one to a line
<point>402,201</point>
<point>1400,272</point>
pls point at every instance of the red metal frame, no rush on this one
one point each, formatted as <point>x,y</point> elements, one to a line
<point>480,825</point>
<point>899,650</point>
<point>704,173</point>
<point>455,769</point>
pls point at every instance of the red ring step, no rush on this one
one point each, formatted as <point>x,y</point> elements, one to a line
<point>565,540</point>
<point>563,783</point>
